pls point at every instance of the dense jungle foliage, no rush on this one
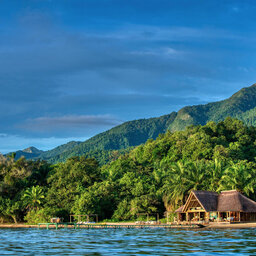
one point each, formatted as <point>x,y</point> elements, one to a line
<point>154,177</point>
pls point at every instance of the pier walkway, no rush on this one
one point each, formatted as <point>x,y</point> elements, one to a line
<point>113,226</point>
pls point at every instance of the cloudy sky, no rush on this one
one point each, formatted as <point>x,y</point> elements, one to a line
<point>72,68</point>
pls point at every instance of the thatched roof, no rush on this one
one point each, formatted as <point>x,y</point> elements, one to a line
<point>208,199</point>
<point>234,201</point>
<point>230,200</point>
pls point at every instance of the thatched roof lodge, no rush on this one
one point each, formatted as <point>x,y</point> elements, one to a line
<point>210,206</point>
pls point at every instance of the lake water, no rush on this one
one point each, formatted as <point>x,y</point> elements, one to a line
<point>151,241</point>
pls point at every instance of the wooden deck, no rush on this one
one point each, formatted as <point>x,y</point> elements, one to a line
<point>113,226</point>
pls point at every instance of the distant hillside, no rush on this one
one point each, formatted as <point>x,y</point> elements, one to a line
<point>126,135</point>
<point>241,105</point>
<point>62,149</point>
<point>28,153</point>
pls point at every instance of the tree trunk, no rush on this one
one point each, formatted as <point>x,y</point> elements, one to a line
<point>14,219</point>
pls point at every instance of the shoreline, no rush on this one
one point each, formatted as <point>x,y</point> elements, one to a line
<point>210,226</point>
<point>19,225</point>
<point>231,225</point>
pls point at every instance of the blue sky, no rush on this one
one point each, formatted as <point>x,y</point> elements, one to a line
<point>70,69</point>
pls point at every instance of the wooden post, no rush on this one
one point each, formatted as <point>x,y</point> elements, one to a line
<point>239,217</point>
<point>207,217</point>
<point>186,216</point>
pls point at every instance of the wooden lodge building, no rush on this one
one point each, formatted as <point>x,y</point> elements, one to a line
<point>209,206</point>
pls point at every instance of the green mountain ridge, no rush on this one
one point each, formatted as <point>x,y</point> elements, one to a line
<point>121,137</point>
<point>46,155</point>
<point>241,105</point>
<point>235,106</point>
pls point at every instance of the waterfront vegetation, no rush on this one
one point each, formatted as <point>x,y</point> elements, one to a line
<point>154,177</point>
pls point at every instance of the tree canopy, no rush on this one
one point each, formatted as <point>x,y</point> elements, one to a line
<point>153,177</point>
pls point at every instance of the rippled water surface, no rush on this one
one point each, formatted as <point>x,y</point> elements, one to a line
<point>149,241</point>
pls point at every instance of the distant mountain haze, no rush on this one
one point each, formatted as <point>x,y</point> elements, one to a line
<point>241,105</point>
<point>28,153</point>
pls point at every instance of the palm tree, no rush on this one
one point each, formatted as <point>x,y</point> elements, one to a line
<point>238,176</point>
<point>196,176</point>
<point>174,189</point>
<point>171,193</point>
<point>33,197</point>
<point>215,171</point>
<point>184,177</point>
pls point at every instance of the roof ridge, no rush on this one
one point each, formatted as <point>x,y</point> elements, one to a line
<point>204,191</point>
<point>229,191</point>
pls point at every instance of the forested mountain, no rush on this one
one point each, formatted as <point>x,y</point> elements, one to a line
<point>119,138</point>
<point>62,149</point>
<point>28,153</point>
<point>242,105</point>
<point>151,178</point>
<point>126,135</point>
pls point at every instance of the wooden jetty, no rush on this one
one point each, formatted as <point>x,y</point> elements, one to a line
<point>115,226</point>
